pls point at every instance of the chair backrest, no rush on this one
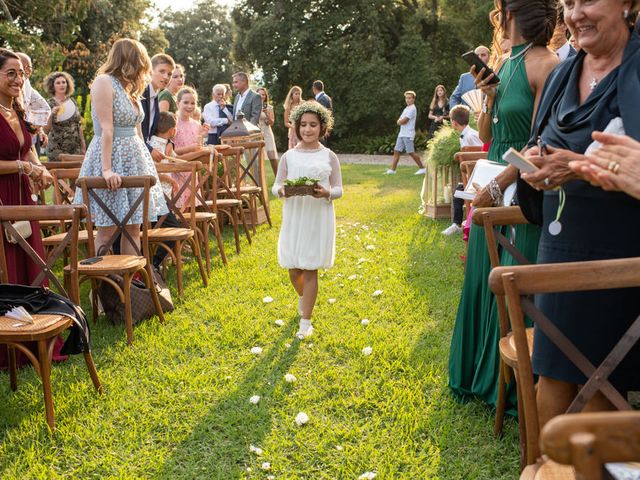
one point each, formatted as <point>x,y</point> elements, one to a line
<point>51,166</point>
<point>64,182</point>
<point>519,283</point>
<point>225,178</point>
<point>9,215</point>
<point>142,183</point>
<point>68,157</point>
<point>466,169</point>
<point>188,185</point>
<point>492,219</point>
<point>589,440</point>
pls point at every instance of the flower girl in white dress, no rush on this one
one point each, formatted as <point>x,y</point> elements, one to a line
<point>308,235</point>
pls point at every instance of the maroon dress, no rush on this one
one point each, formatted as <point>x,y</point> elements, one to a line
<point>15,188</point>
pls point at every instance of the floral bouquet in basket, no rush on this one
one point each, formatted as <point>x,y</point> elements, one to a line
<point>300,186</point>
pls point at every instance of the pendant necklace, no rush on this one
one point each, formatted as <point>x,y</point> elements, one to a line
<point>593,84</point>
<point>520,56</point>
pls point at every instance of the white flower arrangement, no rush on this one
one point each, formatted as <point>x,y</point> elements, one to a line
<point>311,106</point>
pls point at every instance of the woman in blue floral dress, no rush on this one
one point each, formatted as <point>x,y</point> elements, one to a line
<point>117,149</point>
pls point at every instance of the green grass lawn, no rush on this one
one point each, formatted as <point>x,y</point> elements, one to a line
<point>177,401</point>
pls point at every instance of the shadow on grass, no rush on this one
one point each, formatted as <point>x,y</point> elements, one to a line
<point>218,446</point>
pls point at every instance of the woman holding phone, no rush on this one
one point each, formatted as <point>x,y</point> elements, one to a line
<point>505,122</point>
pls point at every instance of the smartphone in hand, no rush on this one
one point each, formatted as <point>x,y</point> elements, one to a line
<point>474,60</point>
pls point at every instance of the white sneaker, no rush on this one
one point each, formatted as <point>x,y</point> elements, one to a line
<point>421,171</point>
<point>390,172</point>
<point>300,306</point>
<point>305,330</point>
<point>452,229</point>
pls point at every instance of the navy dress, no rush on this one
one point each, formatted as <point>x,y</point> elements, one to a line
<point>596,224</point>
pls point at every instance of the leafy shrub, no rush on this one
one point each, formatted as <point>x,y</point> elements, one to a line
<point>443,146</point>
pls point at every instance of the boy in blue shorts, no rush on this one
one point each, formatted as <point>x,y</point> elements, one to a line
<point>404,143</point>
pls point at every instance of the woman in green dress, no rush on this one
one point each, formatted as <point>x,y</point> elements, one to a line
<point>167,97</point>
<point>505,122</point>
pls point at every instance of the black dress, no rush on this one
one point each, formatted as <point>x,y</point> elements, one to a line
<point>595,224</point>
<point>438,112</point>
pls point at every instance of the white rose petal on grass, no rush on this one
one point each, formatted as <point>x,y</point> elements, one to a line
<point>255,399</point>
<point>302,418</point>
<point>256,450</point>
<point>366,351</point>
<point>256,350</point>
<point>339,448</point>
<point>287,345</point>
<point>267,299</point>
<point>377,293</point>
<point>266,466</point>
<point>362,260</point>
<point>364,321</point>
<point>290,378</point>
<point>371,247</point>
<point>279,322</point>
<point>271,477</point>
<point>353,277</point>
<point>368,476</point>
<point>332,301</point>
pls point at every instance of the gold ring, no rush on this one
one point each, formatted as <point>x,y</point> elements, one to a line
<point>613,167</point>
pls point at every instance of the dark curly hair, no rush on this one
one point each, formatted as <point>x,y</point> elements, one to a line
<point>535,19</point>
<point>16,103</point>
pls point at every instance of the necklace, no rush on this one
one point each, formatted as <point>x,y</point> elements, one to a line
<point>6,109</point>
<point>520,56</point>
<point>594,83</point>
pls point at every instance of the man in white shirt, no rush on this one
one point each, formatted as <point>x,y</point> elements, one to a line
<point>34,102</point>
<point>404,143</point>
<point>459,116</point>
<point>217,114</point>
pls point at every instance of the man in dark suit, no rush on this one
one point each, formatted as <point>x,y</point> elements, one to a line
<point>162,66</point>
<point>321,97</point>
<point>247,101</point>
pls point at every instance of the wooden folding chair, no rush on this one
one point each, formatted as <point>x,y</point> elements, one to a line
<point>45,328</point>
<point>161,236</point>
<point>124,265</point>
<point>246,184</point>
<point>491,219</point>
<point>69,157</point>
<point>519,283</point>
<point>590,440</point>
<point>48,227</point>
<point>219,196</point>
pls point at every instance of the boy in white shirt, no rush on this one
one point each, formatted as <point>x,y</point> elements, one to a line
<point>404,143</point>
<point>459,116</point>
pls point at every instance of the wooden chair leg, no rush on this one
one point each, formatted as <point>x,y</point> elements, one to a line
<point>148,277</point>
<point>233,218</point>
<point>216,231</point>
<point>177,250</point>
<point>196,250</point>
<point>13,371</point>
<point>94,301</point>
<point>244,223</point>
<point>45,374</point>
<point>128,319</point>
<point>522,429</point>
<point>202,234</point>
<point>265,205</point>
<point>500,401</point>
<point>93,373</point>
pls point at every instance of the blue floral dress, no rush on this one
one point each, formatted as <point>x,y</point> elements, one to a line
<point>129,157</point>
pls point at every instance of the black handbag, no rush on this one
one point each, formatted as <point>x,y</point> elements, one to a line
<point>43,301</point>
<point>142,306</point>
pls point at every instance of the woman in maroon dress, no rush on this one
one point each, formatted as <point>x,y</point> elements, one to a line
<point>18,163</point>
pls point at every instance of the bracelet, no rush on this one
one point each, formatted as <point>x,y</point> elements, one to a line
<point>495,193</point>
<point>20,167</point>
<point>31,172</point>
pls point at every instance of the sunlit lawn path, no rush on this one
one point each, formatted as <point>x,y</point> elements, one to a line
<point>177,402</point>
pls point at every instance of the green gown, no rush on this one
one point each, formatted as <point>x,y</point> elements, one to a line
<point>474,356</point>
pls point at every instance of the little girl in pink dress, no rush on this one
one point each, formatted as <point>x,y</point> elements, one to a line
<point>189,134</point>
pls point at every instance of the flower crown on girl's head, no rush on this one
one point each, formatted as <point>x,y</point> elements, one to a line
<point>311,106</point>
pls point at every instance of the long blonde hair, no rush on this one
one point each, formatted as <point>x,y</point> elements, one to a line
<point>129,62</point>
<point>289,100</point>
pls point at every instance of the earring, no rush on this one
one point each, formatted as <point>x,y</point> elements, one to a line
<point>626,13</point>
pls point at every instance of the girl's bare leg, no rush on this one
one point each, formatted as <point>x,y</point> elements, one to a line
<point>310,292</point>
<point>125,245</point>
<point>102,237</point>
<point>297,280</point>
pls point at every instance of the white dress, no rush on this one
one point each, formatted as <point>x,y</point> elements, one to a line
<point>308,235</point>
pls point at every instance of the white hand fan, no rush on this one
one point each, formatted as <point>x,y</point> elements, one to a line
<point>473,98</point>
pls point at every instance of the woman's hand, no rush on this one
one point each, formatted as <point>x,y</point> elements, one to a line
<point>320,192</point>
<point>204,130</point>
<point>483,198</point>
<point>619,154</point>
<point>553,167</point>
<point>113,179</point>
<point>157,155</point>
<point>488,89</point>
<point>281,192</point>
<point>54,112</point>
<point>45,180</point>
